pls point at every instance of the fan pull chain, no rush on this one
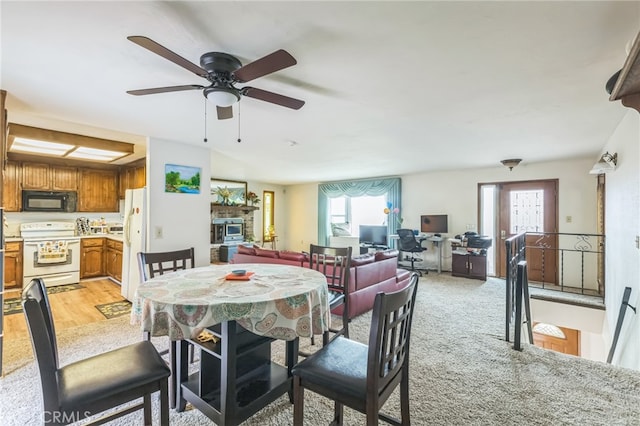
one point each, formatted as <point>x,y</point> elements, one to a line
<point>239,140</point>
<point>205,120</point>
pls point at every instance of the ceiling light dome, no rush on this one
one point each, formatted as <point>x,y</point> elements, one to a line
<point>222,96</point>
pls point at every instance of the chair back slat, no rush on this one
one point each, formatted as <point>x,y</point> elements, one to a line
<point>390,335</point>
<point>159,263</point>
<point>37,311</point>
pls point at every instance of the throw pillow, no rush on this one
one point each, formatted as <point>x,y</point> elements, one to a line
<point>246,250</point>
<point>386,254</point>
<point>340,230</point>
<point>363,259</point>
<point>292,255</point>
<point>266,253</point>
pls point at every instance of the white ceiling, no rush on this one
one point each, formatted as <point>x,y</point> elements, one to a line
<point>391,88</point>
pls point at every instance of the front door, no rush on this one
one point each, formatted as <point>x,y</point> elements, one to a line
<point>559,339</point>
<point>530,206</point>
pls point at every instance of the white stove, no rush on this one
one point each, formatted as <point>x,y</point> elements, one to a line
<point>51,252</point>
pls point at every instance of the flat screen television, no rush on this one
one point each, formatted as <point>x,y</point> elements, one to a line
<point>375,235</point>
<point>434,224</point>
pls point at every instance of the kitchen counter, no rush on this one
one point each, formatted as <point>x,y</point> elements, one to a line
<point>115,237</point>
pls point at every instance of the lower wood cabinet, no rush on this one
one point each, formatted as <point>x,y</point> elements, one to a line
<point>92,257</point>
<point>13,265</point>
<point>113,261</point>
<point>469,266</point>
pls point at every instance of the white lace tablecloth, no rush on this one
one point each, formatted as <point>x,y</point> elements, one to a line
<point>279,301</point>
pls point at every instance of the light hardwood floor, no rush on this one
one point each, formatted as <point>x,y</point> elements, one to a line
<point>69,309</point>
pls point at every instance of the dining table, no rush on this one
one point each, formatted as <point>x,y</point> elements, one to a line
<point>233,313</point>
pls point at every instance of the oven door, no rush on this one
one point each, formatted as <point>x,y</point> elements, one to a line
<point>56,265</point>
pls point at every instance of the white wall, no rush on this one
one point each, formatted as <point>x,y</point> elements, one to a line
<point>622,226</point>
<point>183,218</point>
<point>303,216</point>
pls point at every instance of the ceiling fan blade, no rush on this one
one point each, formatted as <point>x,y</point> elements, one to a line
<point>224,113</point>
<point>158,49</point>
<point>274,98</point>
<point>275,61</point>
<point>164,89</point>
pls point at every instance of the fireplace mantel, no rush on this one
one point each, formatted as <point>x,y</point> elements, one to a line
<point>219,208</point>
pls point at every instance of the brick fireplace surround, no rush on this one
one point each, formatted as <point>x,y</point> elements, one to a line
<point>245,212</point>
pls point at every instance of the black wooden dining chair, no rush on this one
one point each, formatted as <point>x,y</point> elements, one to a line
<point>359,376</point>
<point>159,263</point>
<point>334,263</point>
<point>95,384</point>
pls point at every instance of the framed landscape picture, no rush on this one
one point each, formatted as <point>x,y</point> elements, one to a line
<point>181,179</point>
<point>228,192</point>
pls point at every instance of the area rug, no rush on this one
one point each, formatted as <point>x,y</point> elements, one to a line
<point>14,306</point>
<point>115,309</point>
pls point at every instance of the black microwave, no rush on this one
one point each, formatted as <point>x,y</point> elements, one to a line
<point>49,201</point>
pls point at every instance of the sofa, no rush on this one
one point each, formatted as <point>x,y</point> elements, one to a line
<point>369,274</point>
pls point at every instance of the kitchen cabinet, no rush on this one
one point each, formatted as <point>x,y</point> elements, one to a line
<point>132,178</point>
<point>92,257</point>
<point>47,177</point>
<point>114,259</point>
<point>13,265</point>
<point>469,266</point>
<point>98,191</point>
<point>11,191</point>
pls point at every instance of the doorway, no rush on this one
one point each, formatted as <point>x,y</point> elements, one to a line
<point>516,207</point>
<point>559,339</point>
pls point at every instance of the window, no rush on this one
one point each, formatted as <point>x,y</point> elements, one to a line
<point>340,210</point>
<point>268,223</point>
<point>356,211</point>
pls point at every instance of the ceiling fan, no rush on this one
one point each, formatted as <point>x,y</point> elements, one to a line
<point>223,71</point>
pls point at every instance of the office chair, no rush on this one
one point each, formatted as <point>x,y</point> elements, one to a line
<point>95,384</point>
<point>407,242</point>
<point>359,376</point>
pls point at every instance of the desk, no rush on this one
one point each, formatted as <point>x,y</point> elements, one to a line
<point>437,242</point>
<point>236,377</point>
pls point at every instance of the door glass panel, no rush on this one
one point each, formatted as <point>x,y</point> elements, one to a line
<point>527,211</point>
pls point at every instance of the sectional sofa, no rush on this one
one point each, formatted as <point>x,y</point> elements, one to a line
<point>369,273</point>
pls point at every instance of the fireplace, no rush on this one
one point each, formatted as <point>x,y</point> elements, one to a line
<point>228,230</point>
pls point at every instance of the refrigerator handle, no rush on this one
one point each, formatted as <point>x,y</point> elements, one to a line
<point>127,228</point>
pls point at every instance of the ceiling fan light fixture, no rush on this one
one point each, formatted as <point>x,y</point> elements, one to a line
<point>222,96</point>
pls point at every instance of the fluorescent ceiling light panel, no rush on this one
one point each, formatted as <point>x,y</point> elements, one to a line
<point>96,154</point>
<point>41,147</point>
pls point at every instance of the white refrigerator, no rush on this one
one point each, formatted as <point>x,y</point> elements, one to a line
<point>134,239</point>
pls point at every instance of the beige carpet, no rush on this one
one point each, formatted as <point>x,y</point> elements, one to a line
<point>463,373</point>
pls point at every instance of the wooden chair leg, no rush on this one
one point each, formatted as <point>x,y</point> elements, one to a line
<point>338,416</point>
<point>164,403</point>
<point>404,399</point>
<point>147,409</point>
<point>298,402</point>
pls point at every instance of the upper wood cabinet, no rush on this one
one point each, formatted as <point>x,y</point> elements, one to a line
<point>98,191</point>
<point>11,194</point>
<point>46,177</point>
<point>132,178</point>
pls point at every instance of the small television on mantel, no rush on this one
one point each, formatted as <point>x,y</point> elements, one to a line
<point>434,224</point>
